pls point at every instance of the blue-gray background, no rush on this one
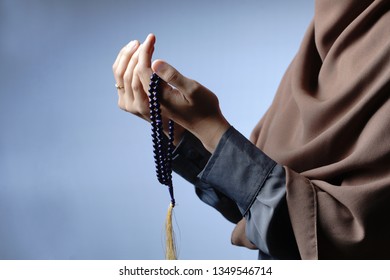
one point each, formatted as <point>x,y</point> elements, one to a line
<point>76,173</point>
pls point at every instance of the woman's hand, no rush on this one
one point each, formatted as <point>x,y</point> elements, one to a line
<point>191,105</point>
<point>185,101</point>
<point>133,96</point>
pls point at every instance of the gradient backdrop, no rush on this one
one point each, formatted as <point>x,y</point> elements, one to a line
<point>77,177</point>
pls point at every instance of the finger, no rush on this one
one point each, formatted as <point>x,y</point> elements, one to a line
<point>145,55</point>
<point>143,69</point>
<point>126,55</point>
<point>173,77</point>
<point>115,65</point>
<point>119,85</point>
<point>140,83</point>
<point>128,76</point>
<point>118,58</point>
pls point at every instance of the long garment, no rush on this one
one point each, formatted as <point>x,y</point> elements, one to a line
<point>328,128</point>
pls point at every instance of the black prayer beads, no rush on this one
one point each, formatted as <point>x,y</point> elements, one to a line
<point>162,150</point>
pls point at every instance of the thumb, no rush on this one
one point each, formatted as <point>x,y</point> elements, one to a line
<point>170,75</point>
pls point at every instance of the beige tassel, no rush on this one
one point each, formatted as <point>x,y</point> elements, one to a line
<point>170,253</point>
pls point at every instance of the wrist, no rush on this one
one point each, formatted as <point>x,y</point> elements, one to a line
<point>211,133</point>
<point>179,132</point>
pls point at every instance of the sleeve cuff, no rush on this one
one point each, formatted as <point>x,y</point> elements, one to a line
<point>238,169</point>
<point>189,158</point>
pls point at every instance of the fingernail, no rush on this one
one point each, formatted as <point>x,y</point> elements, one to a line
<point>132,44</point>
<point>160,66</point>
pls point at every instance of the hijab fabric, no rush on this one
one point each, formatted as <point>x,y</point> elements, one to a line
<point>329,126</point>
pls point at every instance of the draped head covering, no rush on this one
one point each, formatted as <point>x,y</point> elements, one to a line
<point>329,125</point>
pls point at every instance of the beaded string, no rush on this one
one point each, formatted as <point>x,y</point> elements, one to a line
<point>162,156</point>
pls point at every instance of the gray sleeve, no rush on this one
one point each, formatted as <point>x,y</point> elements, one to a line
<point>188,160</point>
<point>268,223</point>
<point>189,157</point>
<point>256,183</point>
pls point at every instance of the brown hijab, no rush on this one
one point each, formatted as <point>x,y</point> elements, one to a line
<point>329,125</point>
